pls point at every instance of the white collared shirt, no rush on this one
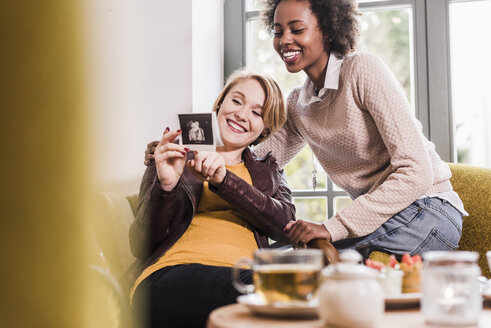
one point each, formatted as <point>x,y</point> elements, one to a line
<point>307,93</point>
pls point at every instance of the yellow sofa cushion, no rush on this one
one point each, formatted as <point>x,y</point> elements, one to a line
<point>473,184</point>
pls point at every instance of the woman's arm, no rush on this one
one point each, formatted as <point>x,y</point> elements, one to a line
<point>160,194</point>
<point>267,213</point>
<point>156,211</point>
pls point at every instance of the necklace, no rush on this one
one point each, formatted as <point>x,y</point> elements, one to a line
<point>314,172</point>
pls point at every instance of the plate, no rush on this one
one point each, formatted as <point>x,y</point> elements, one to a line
<point>257,305</point>
<point>404,298</point>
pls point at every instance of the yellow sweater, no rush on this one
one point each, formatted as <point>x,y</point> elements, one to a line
<point>216,235</point>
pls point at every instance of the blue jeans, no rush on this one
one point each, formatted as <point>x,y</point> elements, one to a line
<point>428,224</point>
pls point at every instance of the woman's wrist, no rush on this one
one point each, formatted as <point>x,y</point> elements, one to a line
<point>219,179</point>
<point>168,187</point>
<point>328,236</point>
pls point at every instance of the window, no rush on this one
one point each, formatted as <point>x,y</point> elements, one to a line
<point>470,29</point>
<point>412,37</point>
<point>387,32</point>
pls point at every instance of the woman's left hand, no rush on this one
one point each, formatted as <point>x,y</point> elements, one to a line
<point>208,166</point>
<point>301,232</point>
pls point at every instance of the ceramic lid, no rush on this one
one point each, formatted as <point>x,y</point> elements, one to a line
<point>349,267</point>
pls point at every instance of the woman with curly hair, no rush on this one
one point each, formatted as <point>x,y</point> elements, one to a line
<point>355,117</point>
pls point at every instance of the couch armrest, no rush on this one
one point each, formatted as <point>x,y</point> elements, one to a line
<point>112,222</point>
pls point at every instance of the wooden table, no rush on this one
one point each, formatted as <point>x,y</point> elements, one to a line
<point>239,316</point>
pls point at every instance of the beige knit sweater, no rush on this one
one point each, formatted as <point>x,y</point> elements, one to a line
<point>367,139</point>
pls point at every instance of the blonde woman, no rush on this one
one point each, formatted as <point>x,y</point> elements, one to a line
<point>200,211</point>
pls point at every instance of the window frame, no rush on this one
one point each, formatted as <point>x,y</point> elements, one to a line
<point>431,58</point>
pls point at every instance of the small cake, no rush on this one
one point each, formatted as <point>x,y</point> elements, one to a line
<point>411,266</point>
<point>392,272</point>
<point>389,277</point>
<point>390,280</point>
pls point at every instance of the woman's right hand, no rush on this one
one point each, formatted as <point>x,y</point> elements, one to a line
<point>170,159</point>
<point>149,152</point>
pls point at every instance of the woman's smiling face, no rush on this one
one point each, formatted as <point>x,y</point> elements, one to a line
<point>297,37</point>
<point>240,115</point>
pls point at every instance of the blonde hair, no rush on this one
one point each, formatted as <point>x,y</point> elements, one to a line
<point>273,113</point>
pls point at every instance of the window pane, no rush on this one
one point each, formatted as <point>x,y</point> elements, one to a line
<point>262,57</point>
<point>336,188</point>
<point>341,203</point>
<point>388,33</point>
<point>311,209</point>
<point>254,5</point>
<point>470,29</point>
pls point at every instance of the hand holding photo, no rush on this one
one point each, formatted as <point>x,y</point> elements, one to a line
<point>199,131</point>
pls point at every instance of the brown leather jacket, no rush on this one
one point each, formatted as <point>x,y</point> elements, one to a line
<point>162,217</point>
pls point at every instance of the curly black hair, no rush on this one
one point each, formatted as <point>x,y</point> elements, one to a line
<point>337,21</point>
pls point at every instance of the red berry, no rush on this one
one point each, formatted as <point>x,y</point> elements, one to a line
<point>392,261</point>
<point>374,264</point>
<point>417,258</point>
<point>406,258</point>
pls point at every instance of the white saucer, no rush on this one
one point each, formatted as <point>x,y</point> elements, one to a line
<point>257,305</point>
<point>403,298</point>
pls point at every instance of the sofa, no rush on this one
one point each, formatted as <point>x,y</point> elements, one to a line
<point>473,184</point>
<point>115,213</point>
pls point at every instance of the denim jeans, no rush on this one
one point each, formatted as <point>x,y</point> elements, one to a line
<point>427,224</point>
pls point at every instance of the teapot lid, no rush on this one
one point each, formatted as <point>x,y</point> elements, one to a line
<point>349,267</point>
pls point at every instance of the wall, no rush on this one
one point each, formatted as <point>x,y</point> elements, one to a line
<point>147,62</point>
<point>207,53</point>
<point>140,71</point>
